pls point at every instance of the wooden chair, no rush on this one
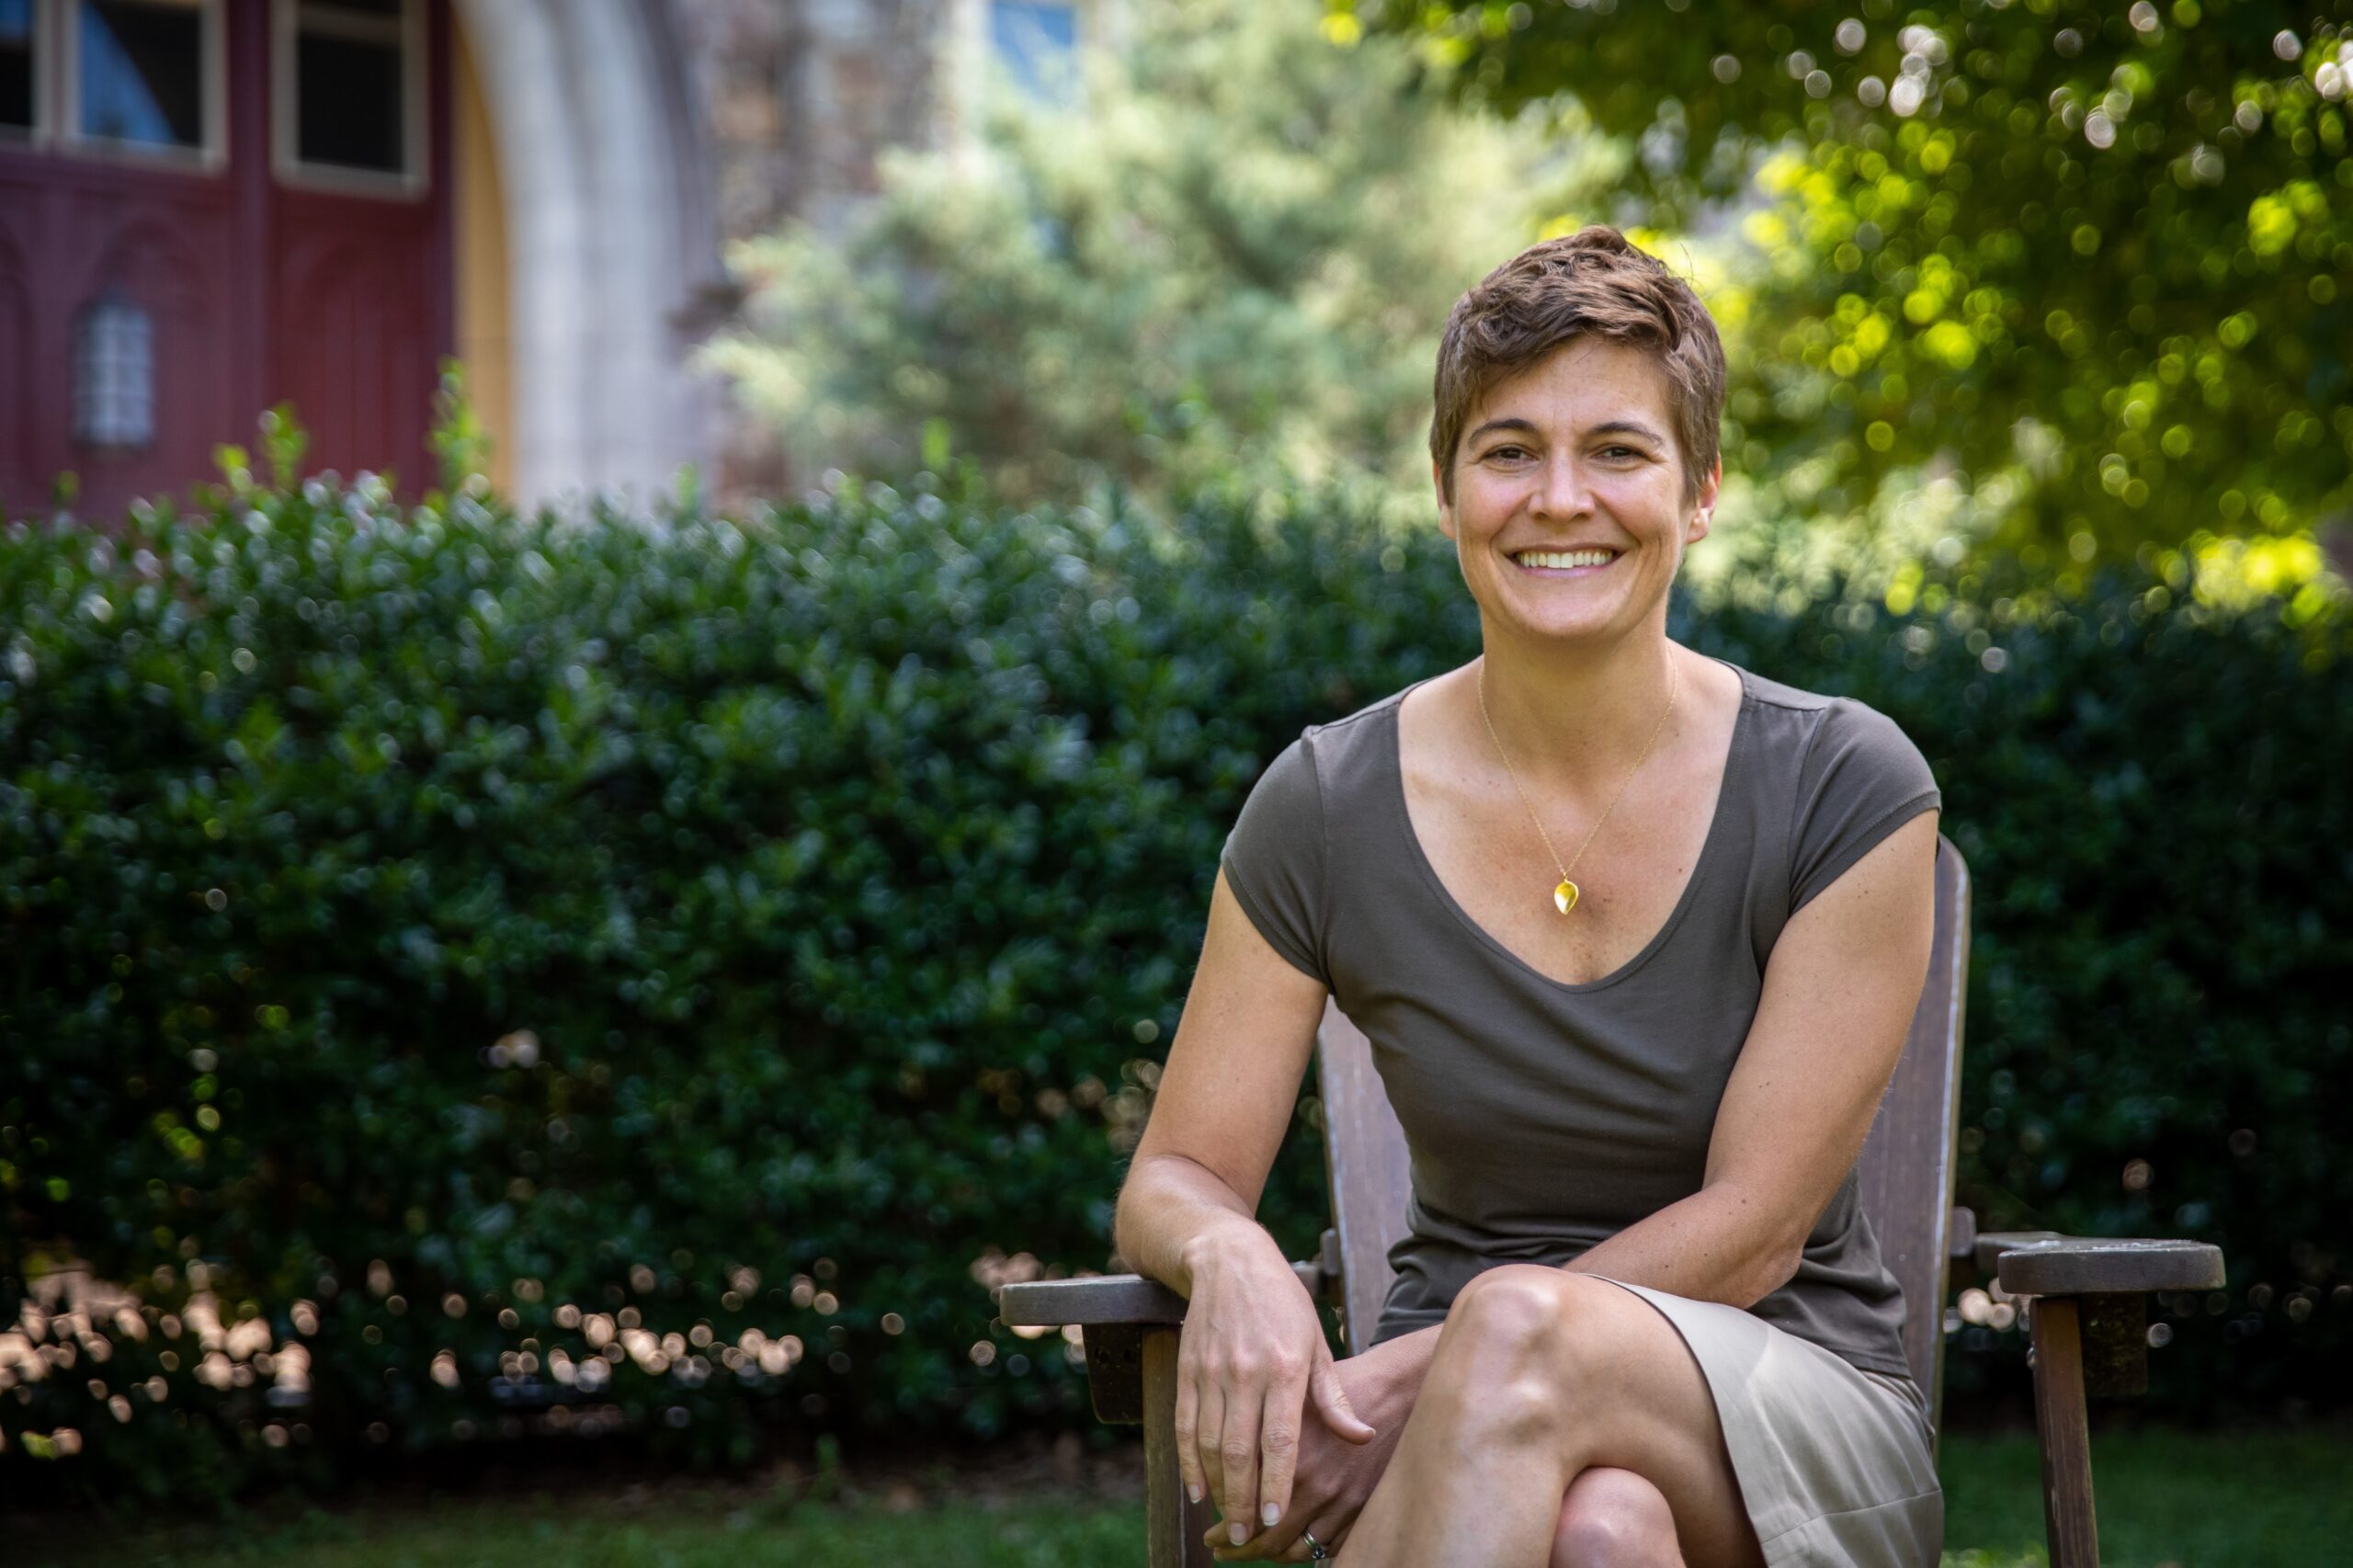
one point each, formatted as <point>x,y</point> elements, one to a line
<point>2085,1298</point>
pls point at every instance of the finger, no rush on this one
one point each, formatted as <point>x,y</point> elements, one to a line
<point>1238,1456</point>
<point>1332,1402</point>
<point>1207,1453</point>
<point>1223,1550</point>
<point>1188,1424</point>
<point>1280,1543</point>
<point>1292,1550</point>
<point>1277,1449</point>
<point>1266,1543</point>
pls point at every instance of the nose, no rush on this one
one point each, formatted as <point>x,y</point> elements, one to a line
<point>1562,489</point>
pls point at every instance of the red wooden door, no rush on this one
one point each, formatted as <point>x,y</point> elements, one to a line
<point>216,206</point>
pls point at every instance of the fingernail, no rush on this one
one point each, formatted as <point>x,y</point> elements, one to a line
<point>1240,1532</point>
<point>1194,1491</point>
<point>1270,1513</point>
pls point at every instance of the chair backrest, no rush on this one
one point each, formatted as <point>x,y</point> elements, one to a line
<point>1905,1176</point>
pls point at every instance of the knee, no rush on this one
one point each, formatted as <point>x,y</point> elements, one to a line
<point>1614,1518</point>
<point>1518,1305</point>
<point>1530,1313</point>
<point>1502,1354</point>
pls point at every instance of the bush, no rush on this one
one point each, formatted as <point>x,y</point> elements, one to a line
<point>436,934</point>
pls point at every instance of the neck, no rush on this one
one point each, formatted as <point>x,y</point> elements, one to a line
<point>1578,717</point>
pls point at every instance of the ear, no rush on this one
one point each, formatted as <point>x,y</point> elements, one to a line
<point>1704,504</point>
<point>1445,508</point>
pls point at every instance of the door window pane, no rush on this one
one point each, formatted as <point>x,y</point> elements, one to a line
<point>142,71</point>
<point>348,103</point>
<point>351,64</point>
<point>16,62</point>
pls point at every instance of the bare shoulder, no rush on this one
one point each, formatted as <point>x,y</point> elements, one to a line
<point>1715,688</point>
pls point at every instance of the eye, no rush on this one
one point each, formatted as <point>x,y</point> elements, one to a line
<point>1506,446</point>
<point>1619,447</point>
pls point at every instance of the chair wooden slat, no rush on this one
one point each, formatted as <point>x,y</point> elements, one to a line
<point>1364,1155</point>
<point>1904,1176</point>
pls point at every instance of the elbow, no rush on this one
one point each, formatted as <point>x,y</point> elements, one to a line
<point>1765,1244</point>
<point>1770,1270</point>
<point>1125,1216</point>
<point>1785,1269</point>
<point>1779,1267</point>
<point>1141,1200</point>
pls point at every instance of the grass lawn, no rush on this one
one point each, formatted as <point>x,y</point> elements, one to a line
<point>2207,1500</point>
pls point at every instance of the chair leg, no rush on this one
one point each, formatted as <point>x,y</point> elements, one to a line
<point>2062,1422</point>
<point>1173,1524</point>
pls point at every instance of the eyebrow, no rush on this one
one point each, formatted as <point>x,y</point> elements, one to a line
<point>1608,428</point>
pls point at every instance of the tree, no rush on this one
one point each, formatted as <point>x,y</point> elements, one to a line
<point>1234,254</point>
<point>2086,260</point>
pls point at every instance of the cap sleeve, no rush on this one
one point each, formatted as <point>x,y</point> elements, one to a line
<point>1274,859</point>
<point>1862,779</point>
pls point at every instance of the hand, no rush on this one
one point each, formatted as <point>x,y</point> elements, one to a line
<point>1251,1357</point>
<point>1335,1474</point>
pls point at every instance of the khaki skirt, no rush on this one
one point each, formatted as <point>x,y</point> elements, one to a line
<point>1834,1463</point>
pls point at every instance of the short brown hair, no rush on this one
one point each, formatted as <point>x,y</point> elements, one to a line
<point>1596,282</point>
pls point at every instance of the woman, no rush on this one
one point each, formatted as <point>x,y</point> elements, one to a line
<point>1635,934</point>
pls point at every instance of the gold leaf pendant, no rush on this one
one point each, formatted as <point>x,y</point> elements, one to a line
<point>1566,895</point>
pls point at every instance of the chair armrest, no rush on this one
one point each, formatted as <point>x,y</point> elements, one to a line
<point>1108,1298</point>
<point>1989,1246</point>
<point>1099,1298</point>
<point>2044,1263</point>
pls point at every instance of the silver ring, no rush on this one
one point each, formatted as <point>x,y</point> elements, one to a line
<point>1315,1553</point>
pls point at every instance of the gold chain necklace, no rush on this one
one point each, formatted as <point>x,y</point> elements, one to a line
<point>1564,897</point>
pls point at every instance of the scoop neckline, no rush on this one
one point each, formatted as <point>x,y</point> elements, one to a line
<point>1395,752</point>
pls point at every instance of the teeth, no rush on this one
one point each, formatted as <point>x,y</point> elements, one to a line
<point>1563,558</point>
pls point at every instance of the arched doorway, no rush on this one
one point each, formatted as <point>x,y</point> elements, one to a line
<point>606,240</point>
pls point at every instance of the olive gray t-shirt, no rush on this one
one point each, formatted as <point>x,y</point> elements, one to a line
<point>1543,1116</point>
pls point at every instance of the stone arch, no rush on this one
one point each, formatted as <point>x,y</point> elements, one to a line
<point>612,240</point>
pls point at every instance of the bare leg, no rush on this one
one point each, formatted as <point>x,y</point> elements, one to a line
<point>1613,1519</point>
<point>1539,1376</point>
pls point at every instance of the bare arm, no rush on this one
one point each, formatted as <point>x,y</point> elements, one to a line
<point>1225,1097</point>
<point>1839,992</point>
<point>1252,1351</point>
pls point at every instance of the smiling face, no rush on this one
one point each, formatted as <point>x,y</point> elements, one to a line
<point>1569,515</point>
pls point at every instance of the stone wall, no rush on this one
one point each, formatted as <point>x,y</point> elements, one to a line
<point>798,99</point>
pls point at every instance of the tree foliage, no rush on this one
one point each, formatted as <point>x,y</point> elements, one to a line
<point>1237,251</point>
<point>2096,251</point>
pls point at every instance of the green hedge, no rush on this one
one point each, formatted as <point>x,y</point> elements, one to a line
<point>413,925</point>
